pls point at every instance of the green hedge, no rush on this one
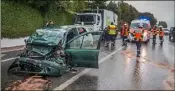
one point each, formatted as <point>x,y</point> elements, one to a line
<point>21,20</point>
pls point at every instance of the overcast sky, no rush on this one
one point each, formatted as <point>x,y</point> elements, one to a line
<point>162,10</point>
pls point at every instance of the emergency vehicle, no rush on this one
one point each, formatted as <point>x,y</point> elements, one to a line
<point>146,27</point>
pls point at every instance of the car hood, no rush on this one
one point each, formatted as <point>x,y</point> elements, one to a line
<point>135,29</point>
<point>46,37</point>
<point>43,41</point>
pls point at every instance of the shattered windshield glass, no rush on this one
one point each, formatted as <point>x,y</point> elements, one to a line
<point>135,25</point>
<point>43,37</point>
<point>43,41</point>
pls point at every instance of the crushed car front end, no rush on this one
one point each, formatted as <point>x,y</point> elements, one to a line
<point>43,55</point>
<point>51,67</point>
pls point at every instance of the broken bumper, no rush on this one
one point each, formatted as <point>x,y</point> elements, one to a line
<point>52,67</point>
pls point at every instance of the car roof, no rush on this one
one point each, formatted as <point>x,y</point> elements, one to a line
<point>138,21</point>
<point>71,26</point>
<point>63,28</point>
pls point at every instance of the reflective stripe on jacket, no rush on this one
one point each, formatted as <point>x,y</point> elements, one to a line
<point>161,33</point>
<point>138,36</point>
<point>125,31</point>
<point>112,30</point>
<point>154,31</point>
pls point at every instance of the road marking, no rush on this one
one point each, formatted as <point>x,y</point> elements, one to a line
<point>12,50</point>
<point>74,78</point>
<point>9,59</point>
<point>2,55</point>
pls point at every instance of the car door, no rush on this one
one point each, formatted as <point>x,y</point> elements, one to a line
<point>71,34</point>
<point>83,51</point>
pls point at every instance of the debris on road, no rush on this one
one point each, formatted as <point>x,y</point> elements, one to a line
<point>30,83</point>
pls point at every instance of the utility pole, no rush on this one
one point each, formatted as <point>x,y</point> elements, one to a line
<point>122,1</point>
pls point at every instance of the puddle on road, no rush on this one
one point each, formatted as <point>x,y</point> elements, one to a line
<point>129,53</point>
<point>169,83</point>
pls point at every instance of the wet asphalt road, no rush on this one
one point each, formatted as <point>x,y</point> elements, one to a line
<point>120,72</point>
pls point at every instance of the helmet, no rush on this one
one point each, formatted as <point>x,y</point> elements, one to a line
<point>141,25</point>
<point>112,23</point>
<point>125,24</point>
<point>160,26</point>
<point>51,22</point>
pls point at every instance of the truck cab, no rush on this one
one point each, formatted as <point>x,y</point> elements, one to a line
<point>95,19</point>
<point>90,20</point>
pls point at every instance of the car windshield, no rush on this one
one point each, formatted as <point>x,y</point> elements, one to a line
<point>172,28</point>
<point>42,37</point>
<point>135,25</point>
<point>87,19</point>
<point>165,29</point>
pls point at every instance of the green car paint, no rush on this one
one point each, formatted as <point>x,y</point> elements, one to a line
<point>83,58</point>
<point>40,55</point>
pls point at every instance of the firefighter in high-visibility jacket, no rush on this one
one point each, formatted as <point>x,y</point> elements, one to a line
<point>161,34</point>
<point>138,36</point>
<point>124,32</point>
<point>154,33</point>
<point>111,34</point>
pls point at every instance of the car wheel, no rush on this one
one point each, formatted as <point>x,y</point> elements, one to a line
<point>169,38</point>
<point>173,39</point>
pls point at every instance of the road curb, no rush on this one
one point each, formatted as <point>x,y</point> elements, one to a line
<point>13,48</point>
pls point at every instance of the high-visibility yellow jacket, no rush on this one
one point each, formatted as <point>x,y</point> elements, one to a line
<point>112,30</point>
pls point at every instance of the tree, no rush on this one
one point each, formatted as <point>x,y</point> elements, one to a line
<point>163,23</point>
<point>124,11</point>
<point>149,15</point>
<point>112,6</point>
<point>93,4</point>
<point>78,5</point>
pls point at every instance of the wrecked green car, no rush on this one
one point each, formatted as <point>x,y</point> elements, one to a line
<point>48,52</point>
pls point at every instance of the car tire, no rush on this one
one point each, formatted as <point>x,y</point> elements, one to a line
<point>169,38</point>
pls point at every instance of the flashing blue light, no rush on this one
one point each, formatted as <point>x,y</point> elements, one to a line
<point>144,18</point>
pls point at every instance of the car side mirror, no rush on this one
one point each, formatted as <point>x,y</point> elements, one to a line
<point>73,18</point>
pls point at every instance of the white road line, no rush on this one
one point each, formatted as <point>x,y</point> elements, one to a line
<point>74,78</point>
<point>13,50</point>
<point>2,55</point>
<point>9,59</point>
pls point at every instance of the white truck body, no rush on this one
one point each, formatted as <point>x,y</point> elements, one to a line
<point>95,19</point>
